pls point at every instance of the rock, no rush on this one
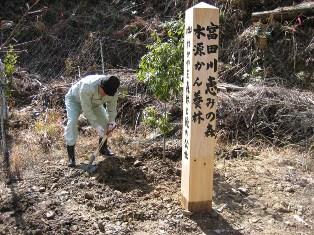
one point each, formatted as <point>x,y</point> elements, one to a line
<point>89,196</point>
<point>42,189</point>
<point>280,208</point>
<point>99,207</point>
<point>35,189</point>
<point>254,220</point>
<point>177,171</point>
<point>233,190</point>
<point>300,220</point>
<point>81,185</point>
<point>74,228</point>
<point>220,209</point>
<point>63,193</point>
<point>50,214</point>
<point>300,210</point>
<point>187,213</point>
<point>243,190</point>
<point>118,193</point>
<point>101,227</point>
<point>289,189</point>
<point>138,163</point>
<point>118,223</point>
<point>54,185</point>
<point>290,224</point>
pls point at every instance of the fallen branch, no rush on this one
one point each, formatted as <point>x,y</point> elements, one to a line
<point>307,9</point>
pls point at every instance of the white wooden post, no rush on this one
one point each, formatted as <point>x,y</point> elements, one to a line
<point>199,106</point>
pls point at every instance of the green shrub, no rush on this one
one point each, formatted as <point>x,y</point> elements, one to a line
<point>161,69</point>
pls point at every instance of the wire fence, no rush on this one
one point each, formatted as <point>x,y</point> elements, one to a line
<point>52,58</point>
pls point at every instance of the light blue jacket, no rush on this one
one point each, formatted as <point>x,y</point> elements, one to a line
<point>86,93</point>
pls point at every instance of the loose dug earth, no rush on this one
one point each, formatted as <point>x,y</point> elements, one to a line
<point>259,192</point>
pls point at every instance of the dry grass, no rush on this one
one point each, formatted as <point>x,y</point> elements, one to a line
<point>23,156</point>
<point>49,128</point>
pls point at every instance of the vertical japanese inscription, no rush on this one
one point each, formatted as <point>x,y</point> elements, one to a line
<point>187,92</point>
<point>205,52</point>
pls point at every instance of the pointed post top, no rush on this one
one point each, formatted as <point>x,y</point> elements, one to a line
<point>204,5</point>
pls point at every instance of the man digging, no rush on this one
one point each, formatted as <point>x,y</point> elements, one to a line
<point>88,96</point>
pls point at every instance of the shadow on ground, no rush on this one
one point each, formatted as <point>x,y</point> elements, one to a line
<point>212,223</point>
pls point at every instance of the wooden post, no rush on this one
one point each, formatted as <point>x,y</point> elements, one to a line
<point>199,106</point>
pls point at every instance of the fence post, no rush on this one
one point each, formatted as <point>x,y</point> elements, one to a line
<point>102,58</point>
<point>3,117</point>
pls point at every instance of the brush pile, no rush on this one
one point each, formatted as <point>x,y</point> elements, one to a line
<point>278,115</point>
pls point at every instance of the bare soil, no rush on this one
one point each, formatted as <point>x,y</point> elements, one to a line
<point>259,191</point>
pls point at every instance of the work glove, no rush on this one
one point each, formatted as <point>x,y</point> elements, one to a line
<point>111,126</point>
<point>100,130</point>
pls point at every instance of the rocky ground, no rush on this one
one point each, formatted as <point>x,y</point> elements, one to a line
<point>259,191</point>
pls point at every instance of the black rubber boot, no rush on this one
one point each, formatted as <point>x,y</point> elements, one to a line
<point>104,150</point>
<point>71,155</point>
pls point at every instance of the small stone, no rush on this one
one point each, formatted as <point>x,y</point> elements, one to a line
<point>118,223</point>
<point>300,220</point>
<point>101,227</point>
<point>187,213</point>
<point>177,171</point>
<point>243,190</point>
<point>63,193</point>
<point>89,196</point>
<point>35,188</point>
<point>99,207</point>
<point>290,224</point>
<point>42,189</point>
<point>53,186</point>
<point>254,220</point>
<point>289,189</point>
<point>220,209</point>
<point>234,191</point>
<point>138,163</point>
<point>280,208</point>
<point>50,214</point>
